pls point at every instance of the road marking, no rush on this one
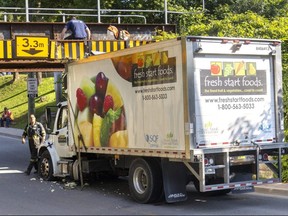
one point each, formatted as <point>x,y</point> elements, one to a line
<point>6,170</point>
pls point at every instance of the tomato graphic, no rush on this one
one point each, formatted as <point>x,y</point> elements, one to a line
<point>140,62</point>
<point>215,69</point>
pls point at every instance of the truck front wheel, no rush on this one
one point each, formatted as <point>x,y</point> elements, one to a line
<point>45,166</point>
<point>145,180</point>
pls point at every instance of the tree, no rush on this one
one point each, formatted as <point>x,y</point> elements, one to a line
<point>15,76</point>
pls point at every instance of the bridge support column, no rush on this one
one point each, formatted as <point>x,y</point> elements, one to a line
<point>58,86</point>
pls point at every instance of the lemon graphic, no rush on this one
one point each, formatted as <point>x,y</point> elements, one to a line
<point>113,91</point>
<point>252,70</point>
<point>97,122</point>
<point>86,131</point>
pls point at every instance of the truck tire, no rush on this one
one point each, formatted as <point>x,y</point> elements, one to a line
<point>75,171</point>
<point>145,180</point>
<point>45,166</point>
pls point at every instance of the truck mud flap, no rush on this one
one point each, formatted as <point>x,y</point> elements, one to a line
<point>174,181</point>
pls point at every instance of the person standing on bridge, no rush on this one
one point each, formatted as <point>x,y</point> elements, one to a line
<point>36,135</point>
<point>79,29</point>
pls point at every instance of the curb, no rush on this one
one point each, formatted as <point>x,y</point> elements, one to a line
<point>11,132</point>
<point>10,135</point>
<point>273,189</point>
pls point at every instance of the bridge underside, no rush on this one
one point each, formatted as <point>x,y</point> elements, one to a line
<point>59,52</point>
<point>32,66</point>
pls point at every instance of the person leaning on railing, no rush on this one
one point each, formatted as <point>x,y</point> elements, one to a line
<point>79,30</point>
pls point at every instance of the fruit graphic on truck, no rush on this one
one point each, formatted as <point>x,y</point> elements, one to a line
<point>100,113</point>
<point>216,68</point>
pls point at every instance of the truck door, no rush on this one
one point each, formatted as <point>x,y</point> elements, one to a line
<point>61,138</point>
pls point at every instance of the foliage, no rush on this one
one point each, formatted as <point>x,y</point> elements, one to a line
<point>14,96</point>
<point>284,169</point>
<point>162,35</point>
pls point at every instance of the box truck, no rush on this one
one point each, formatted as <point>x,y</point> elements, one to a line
<point>206,110</point>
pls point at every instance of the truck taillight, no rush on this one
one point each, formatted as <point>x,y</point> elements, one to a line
<point>275,43</point>
<point>208,161</point>
<point>263,157</point>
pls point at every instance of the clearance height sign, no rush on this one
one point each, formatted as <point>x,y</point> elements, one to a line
<point>235,100</point>
<point>30,46</point>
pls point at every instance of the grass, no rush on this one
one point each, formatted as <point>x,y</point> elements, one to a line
<point>14,96</point>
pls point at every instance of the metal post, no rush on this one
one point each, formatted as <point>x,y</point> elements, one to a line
<point>203,5</point>
<point>31,100</point>
<point>27,10</point>
<point>166,12</point>
<point>58,86</point>
<point>98,11</point>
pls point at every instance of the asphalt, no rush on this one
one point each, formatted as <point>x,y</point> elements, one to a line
<point>275,189</point>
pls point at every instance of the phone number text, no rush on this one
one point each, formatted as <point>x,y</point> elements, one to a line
<point>154,97</point>
<point>236,106</point>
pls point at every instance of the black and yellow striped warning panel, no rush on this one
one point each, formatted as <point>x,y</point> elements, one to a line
<point>60,50</point>
<point>67,50</point>
<point>76,50</point>
<point>6,49</point>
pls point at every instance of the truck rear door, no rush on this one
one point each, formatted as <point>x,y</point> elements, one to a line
<point>234,92</point>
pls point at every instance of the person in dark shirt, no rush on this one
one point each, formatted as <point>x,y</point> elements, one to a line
<point>36,135</point>
<point>79,30</point>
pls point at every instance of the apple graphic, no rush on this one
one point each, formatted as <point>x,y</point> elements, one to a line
<point>215,69</point>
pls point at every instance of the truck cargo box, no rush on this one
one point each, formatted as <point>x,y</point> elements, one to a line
<point>206,110</point>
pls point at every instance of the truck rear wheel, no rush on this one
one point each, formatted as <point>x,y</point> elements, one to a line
<point>45,166</point>
<point>145,180</point>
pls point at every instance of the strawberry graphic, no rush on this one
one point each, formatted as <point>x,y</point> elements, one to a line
<point>108,103</point>
<point>81,99</point>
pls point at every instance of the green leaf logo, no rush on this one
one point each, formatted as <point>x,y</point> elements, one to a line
<point>169,135</point>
